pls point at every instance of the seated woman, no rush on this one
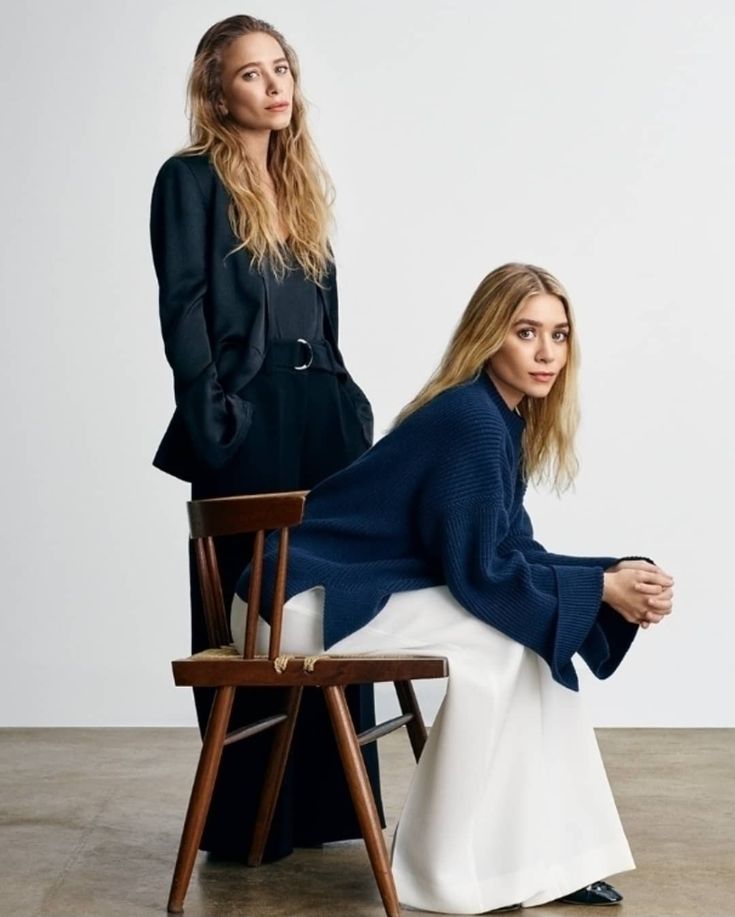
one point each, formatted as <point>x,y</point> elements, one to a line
<point>423,545</point>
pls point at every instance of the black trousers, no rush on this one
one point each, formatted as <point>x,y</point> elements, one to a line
<point>304,428</point>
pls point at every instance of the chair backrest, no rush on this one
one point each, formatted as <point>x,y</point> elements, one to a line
<point>235,516</point>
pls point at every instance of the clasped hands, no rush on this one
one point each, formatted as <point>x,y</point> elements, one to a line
<point>639,591</point>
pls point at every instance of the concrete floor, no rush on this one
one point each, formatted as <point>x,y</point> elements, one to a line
<point>90,822</point>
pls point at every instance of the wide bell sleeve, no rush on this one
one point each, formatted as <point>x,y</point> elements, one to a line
<point>216,421</point>
<point>551,610</point>
<point>555,609</point>
<point>612,635</point>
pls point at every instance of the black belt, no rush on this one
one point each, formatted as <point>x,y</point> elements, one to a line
<point>300,355</point>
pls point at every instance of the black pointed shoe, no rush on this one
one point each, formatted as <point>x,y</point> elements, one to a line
<point>599,893</point>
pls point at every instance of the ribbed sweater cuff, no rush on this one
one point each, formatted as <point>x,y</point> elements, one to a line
<point>608,642</point>
<point>635,557</point>
<point>580,593</point>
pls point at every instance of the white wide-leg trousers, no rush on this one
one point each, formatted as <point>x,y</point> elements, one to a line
<point>510,801</point>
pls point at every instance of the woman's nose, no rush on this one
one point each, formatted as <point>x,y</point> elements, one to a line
<point>545,353</point>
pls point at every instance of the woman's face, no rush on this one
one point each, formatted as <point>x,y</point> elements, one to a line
<point>257,83</point>
<point>534,351</point>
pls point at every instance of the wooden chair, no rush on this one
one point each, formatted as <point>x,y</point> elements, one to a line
<point>222,667</point>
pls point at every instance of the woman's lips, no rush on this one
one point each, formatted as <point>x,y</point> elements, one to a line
<point>279,107</point>
<point>542,377</point>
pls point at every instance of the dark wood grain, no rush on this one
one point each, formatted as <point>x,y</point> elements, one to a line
<point>208,671</point>
<point>416,729</point>
<point>201,796</point>
<point>235,515</point>
<point>256,580</point>
<point>362,797</point>
<point>274,649</point>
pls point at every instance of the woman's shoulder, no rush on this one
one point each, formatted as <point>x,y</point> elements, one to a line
<point>193,169</point>
<point>467,401</point>
<point>197,162</point>
<point>461,414</point>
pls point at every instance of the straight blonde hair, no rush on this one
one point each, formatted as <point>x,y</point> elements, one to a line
<point>304,192</point>
<point>551,422</point>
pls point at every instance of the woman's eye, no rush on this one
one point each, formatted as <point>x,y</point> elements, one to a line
<point>246,76</point>
<point>525,334</point>
<point>282,68</point>
<point>561,335</point>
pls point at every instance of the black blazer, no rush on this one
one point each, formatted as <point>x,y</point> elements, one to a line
<point>213,309</point>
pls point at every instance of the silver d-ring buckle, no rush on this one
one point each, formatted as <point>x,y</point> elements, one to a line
<point>311,354</point>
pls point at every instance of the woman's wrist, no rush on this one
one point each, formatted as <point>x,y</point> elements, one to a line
<point>607,586</point>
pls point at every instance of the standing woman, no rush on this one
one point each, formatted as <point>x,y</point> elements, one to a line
<point>248,304</point>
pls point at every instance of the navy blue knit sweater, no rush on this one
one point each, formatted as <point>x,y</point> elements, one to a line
<point>439,500</point>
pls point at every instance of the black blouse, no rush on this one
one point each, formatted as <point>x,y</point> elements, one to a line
<point>295,309</point>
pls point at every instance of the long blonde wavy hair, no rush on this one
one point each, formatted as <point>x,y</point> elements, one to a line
<point>551,422</point>
<point>304,192</point>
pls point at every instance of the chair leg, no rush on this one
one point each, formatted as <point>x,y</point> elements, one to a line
<point>409,704</point>
<point>362,796</point>
<point>201,796</point>
<point>274,777</point>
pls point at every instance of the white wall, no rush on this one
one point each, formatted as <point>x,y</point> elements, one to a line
<point>595,139</point>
